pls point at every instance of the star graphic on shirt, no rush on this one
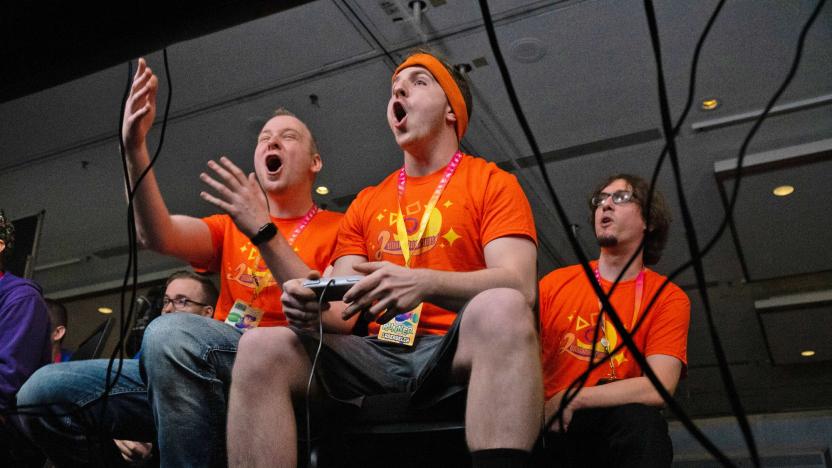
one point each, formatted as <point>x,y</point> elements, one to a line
<point>243,248</point>
<point>451,236</point>
<point>448,204</point>
<point>380,217</point>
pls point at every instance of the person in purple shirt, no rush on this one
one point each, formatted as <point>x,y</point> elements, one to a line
<point>24,335</point>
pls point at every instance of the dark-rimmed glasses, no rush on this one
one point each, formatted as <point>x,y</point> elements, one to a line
<point>619,197</point>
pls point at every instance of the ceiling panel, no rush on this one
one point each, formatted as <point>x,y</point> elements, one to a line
<point>208,72</point>
<point>778,235</point>
<point>793,331</point>
<point>394,24</point>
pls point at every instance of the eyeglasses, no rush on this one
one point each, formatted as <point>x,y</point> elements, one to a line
<point>619,197</point>
<point>180,302</point>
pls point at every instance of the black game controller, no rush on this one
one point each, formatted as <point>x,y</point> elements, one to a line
<point>337,286</point>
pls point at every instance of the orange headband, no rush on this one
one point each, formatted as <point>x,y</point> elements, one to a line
<point>446,82</point>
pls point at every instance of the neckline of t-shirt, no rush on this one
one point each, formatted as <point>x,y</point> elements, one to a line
<point>275,219</point>
<point>605,282</point>
<point>432,177</point>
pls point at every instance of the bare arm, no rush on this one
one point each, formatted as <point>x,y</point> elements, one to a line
<point>621,392</point>
<point>181,236</point>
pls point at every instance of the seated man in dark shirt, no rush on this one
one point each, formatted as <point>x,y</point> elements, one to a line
<point>24,338</point>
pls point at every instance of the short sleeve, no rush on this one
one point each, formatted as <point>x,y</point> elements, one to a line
<point>506,210</point>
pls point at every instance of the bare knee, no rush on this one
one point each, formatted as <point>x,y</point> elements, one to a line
<point>268,355</point>
<point>499,317</point>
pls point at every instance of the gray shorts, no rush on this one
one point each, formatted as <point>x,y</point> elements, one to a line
<point>352,367</point>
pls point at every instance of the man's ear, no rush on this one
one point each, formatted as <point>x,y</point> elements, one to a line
<point>208,311</point>
<point>317,164</point>
<point>2,246</point>
<point>450,116</point>
<point>58,333</point>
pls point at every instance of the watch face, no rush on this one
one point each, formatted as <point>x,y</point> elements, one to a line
<point>266,232</point>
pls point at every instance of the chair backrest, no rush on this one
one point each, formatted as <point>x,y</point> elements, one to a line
<point>93,346</point>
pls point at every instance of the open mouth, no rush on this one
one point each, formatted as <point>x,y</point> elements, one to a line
<point>273,163</point>
<point>606,220</point>
<point>399,112</point>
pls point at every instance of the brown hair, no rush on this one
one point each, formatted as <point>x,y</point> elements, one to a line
<point>658,225</point>
<point>57,313</point>
<point>209,291</point>
<point>6,235</point>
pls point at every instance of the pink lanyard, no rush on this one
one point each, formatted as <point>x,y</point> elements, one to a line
<point>302,224</point>
<point>401,229</point>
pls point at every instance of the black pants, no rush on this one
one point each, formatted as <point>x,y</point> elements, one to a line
<point>623,436</point>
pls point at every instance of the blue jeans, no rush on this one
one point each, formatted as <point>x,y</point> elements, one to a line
<point>180,387</point>
<point>63,414</point>
<point>187,362</point>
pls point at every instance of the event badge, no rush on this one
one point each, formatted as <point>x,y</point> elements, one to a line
<point>243,316</point>
<point>402,329</point>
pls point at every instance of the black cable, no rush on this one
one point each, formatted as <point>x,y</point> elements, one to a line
<point>765,113</point>
<point>576,247</point>
<point>693,244</point>
<point>132,263</point>
<point>581,380</point>
<point>312,370</point>
<point>760,118</point>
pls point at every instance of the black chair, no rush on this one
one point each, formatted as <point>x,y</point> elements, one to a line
<point>388,431</point>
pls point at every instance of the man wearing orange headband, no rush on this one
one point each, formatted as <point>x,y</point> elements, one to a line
<point>448,289</point>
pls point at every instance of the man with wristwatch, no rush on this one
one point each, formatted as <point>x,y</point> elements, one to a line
<point>186,359</point>
<point>614,419</point>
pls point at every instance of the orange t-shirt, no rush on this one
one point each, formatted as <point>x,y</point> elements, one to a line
<point>238,262</point>
<point>480,203</point>
<point>568,314</point>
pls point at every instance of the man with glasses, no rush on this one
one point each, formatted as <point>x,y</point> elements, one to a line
<point>614,420</point>
<point>271,231</point>
<point>190,293</point>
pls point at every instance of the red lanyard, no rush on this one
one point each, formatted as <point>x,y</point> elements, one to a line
<point>302,224</point>
<point>401,229</point>
<point>638,295</point>
<point>636,306</point>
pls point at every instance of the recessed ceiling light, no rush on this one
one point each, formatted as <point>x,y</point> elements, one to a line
<point>105,310</point>
<point>527,50</point>
<point>321,190</point>
<point>783,190</point>
<point>710,104</point>
<point>807,353</point>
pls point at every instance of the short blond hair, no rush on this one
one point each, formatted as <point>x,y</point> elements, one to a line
<point>282,111</point>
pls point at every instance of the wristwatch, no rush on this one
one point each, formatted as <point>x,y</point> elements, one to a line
<point>264,234</point>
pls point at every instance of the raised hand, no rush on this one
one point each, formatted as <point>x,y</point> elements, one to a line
<point>237,194</point>
<point>140,109</point>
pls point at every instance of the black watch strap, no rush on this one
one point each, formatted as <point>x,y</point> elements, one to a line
<point>264,234</point>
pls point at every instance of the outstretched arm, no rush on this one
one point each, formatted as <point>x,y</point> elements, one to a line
<point>181,236</point>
